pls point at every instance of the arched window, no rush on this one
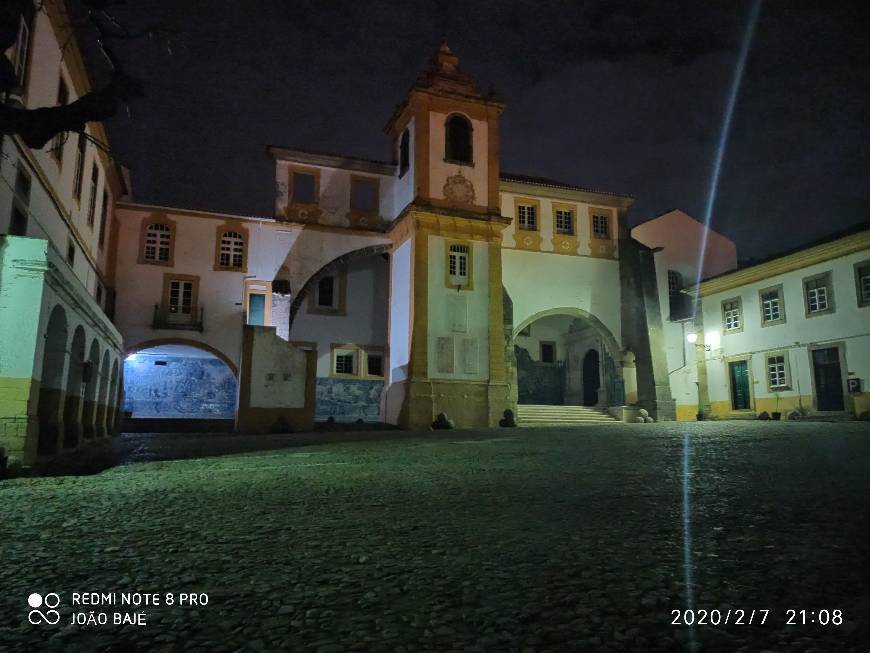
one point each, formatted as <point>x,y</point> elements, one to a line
<point>158,243</point>
<point>404,153</point>
<point>458,139</point>
<point>232,251</point>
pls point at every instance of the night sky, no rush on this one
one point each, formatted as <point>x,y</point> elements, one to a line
<point>620,96</point>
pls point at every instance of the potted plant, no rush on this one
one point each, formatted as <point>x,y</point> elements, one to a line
<point>776,414</point>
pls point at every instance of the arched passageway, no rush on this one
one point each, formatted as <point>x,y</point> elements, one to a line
<point>177,381</point>
<point>567,357</point>
<point>51,384</point>
<point>72,412</point>
<point>341,313</point>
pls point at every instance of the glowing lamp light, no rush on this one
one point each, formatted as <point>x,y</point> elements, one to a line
<point>692,338</point>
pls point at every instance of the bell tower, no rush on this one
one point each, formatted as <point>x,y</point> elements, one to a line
<point>446,327</point>
<point>448,133</point>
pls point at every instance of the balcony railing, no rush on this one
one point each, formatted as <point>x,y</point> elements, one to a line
<point>164,318</point>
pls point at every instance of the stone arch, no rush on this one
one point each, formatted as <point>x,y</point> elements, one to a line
<point>102,396</point>
<point>51,391</point>
<point>331,268</point>
<point>148,344</point>
<point>90,398</point>
<point>72,411</point>
<point>593,321</point>
<point>458,138</point>
<point>566,379</point>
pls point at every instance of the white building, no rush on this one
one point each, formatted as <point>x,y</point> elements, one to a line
<point>791,334</point>
<point>60,354</point>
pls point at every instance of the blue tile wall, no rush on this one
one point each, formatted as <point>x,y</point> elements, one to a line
<point>194,388</point>
<point>347,400</point>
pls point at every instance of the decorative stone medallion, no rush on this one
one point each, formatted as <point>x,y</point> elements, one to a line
<point>459,189</point>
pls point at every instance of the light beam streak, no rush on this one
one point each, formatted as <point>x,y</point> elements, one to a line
<point>734,91</point>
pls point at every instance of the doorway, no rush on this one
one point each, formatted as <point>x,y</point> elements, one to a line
<point>591,378</point>
<point>829,379</point>
<point>738,372</point>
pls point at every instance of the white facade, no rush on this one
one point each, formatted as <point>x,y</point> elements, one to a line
<point>784,372</point>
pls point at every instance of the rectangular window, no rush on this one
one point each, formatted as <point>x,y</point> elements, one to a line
<point>675,282</point>
<point>527,217</point>
<point>104,215</point>
<point>731,315</point>
<point>70,252</point>
<point>457,265</point>
<point>180,297</point>
<point>600,226</point>
<point>99,294</point>
<point>344,362</point>
<point>777,372</point>
<point>304,188</point>
<point>548,352</point>
<point>59,140</point>
<point>92,203</point>
<point>772,308</point>
<point>375,364</point>
<point>565,222</point>
<point>326,292</point>
<point>818,294</point>
<point>21,53</point>
<point>364,194</point>
<point>862,282</point>
<point>257,309</point>
<point>80,166</point>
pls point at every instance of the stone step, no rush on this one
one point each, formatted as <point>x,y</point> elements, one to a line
<point>544,415</point>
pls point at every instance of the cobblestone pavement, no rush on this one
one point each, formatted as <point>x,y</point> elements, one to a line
<point>561,540</point>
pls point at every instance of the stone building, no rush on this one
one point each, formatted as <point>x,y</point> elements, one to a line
<point>60,353</point>
<point>389,291</point>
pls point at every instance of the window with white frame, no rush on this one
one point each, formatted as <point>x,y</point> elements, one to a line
<point>565,222</point>
<point>817,294</point>
<point>104,215</point>
<point>862,280</point>
<point>772,309</point>
<point>527,217</point>
<point>777,371</point>
<point>232,250</point>
<point>600,225</point>
<point>345,361</point>
<point>158,243</point>
<point>180,297</point>
<point>731,317</point>
<point>457,265</point>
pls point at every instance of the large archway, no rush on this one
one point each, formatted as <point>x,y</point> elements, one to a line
<point>51,391</point>
<point>566,356</point>
<point>181,380</point>
<point>341,313</point>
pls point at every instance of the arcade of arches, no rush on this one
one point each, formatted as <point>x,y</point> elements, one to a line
<point>78,387</point>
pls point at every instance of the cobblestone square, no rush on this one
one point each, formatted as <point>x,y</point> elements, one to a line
<point>526,540</point>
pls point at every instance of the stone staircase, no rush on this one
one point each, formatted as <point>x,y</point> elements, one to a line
<point>538,415</point>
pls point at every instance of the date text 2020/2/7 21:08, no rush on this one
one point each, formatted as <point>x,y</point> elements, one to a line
<point>741,617</point>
